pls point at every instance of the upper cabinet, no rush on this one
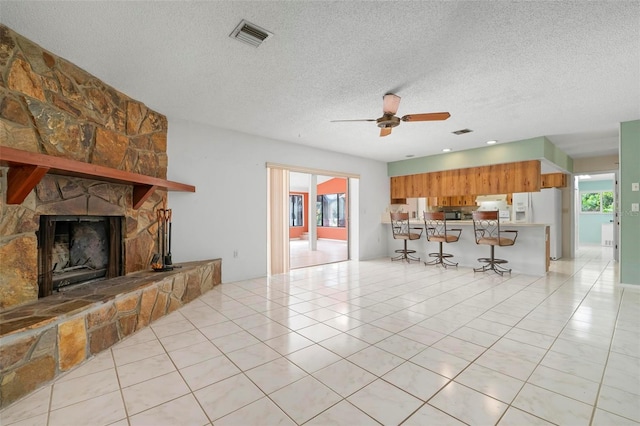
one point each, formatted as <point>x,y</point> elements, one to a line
<point>522,176</point>
<point>553,180</point>
<point>453,201</point>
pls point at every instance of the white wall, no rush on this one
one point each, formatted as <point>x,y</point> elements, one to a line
<point>229,208</point>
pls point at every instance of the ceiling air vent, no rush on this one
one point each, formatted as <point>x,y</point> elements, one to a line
<point>462,132</point>
<point>250,33</point>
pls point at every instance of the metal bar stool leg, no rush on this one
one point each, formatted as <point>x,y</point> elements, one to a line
<point>492,264</point>
<point>406,254</point>
<point>441,258</point>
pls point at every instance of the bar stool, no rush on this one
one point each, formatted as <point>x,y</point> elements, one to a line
<point>402,230</point>
<point>486,226</point>
<point>435,225</point>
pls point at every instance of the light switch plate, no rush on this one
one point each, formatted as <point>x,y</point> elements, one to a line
<point>635,186</point>
<point>635,207</point>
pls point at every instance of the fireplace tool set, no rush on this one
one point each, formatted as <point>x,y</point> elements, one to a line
<point>162,261</point>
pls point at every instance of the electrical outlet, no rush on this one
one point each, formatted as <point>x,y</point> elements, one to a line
<point>635,207</point>
<point>635,186</point>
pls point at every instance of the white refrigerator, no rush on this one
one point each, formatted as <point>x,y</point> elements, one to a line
<point>546,207</point>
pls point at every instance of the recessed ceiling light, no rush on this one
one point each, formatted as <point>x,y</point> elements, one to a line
<point>492,142</point>
<point>446,149</point>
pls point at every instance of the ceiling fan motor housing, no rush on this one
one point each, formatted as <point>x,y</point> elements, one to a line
<point>388,121</point>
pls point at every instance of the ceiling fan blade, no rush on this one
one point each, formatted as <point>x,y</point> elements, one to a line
<point>390,103</point>
<point>385,131</point>
<point>363,119</point>
<point>432,116</point>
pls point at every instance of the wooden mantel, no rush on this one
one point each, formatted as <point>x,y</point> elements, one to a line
<point>26,169</point>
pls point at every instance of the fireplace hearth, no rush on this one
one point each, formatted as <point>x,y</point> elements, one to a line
<point>75,250</point>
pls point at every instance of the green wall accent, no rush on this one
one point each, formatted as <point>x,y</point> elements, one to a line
<point>629,221</point>
<point>528,149</point>
<point>553,154</point>
<point>590,224</point>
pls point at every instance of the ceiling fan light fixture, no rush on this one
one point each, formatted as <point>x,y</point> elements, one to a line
<point>390,103</point>
<point>389,120</point>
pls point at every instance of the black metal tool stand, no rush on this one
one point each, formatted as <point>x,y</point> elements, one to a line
<point>162,261</point>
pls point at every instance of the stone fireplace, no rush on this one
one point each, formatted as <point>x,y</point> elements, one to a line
<point>93,220</point>
<point>52,107</point>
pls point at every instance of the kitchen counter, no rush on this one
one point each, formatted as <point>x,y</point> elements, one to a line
<point>527,256</point>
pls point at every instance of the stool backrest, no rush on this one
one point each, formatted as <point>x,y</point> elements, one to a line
<point>400,224</point>
<point>486,224</point>
<point>435,224</point>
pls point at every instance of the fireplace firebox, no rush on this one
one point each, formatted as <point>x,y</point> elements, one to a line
<point>78,249</point>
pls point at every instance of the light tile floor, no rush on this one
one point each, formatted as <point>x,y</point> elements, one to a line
<point>327,251</point>
<point>376,342</point>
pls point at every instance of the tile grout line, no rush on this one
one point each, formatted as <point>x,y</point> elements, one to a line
<point>554,340</point>
<point>606,363</point>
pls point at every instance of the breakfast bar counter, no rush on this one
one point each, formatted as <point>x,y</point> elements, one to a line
<point>527,256</point>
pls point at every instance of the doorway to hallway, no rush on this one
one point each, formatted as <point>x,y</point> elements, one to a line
<point>318,219</point>
<point>327,212</point>
<point>596,214</point>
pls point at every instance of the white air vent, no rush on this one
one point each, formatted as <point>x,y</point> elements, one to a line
<point>250,33</point>
<point>462,132</point>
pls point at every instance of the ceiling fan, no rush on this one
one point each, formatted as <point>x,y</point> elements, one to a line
<point>389,120</point>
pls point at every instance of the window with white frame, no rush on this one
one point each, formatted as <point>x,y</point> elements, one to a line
<point>596,202</point>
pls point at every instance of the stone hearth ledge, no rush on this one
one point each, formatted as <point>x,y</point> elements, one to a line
<point>45,338</point>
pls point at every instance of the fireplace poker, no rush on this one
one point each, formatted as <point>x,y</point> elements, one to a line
<point>158,217</point>
<point>167,259</point>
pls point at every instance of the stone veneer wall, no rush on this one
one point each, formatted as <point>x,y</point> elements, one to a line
<point>50,106</point>
<point>34,355</point>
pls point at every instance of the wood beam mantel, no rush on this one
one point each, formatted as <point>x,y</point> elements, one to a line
<point>26,169</point>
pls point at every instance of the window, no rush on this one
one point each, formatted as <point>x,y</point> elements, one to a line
<point>596,202</point>
<point>330,210</point>
<point>296,210</point>
<point>607,201</point>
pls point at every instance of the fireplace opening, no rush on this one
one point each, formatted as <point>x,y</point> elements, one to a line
<point>75,250</point>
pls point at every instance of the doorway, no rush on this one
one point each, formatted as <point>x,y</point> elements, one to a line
<point>335,212</point>
<point>318,225</point>
<point>596,215</point>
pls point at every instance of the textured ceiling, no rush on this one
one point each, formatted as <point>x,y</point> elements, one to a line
<point>507,70</point>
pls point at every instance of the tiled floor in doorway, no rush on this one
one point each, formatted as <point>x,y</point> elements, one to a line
<point>367,343</point>
<point>327,251</point>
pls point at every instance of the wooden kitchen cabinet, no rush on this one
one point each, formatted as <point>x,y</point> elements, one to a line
<point>468,200</point>
<point>398,189</point>
<point>523,176</point>
<point>553,180</point>
<point>453,201</point>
